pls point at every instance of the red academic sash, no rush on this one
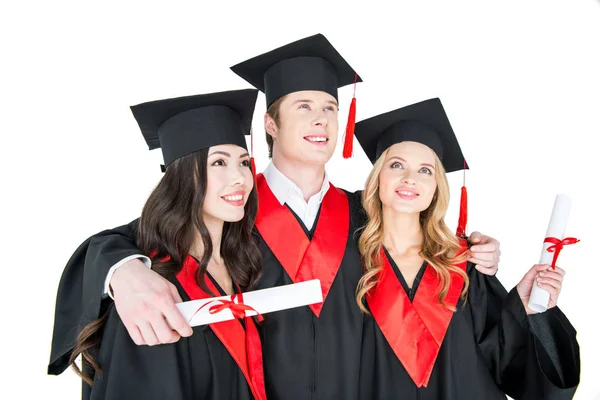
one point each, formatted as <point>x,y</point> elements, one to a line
<point>305,259</point>
<point>243,345</point>
<point>414,331</point>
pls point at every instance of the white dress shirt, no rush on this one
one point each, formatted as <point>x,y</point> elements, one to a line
<point>284,190</point>
<point>288,193</point>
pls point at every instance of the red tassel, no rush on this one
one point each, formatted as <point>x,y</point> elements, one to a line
<point>349,138</point>
<point>252,164</point>
<point>462,217</point>
<point>253,167</point>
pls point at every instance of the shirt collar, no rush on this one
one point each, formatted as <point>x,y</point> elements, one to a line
<point>284,189</point>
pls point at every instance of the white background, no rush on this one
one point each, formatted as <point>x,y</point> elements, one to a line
<point>519,79</point>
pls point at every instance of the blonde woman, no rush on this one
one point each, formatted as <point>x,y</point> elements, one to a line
<point>435,328</point>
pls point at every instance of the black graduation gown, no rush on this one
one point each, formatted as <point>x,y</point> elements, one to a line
<point>491,347</point>
<point>80,298</point>
<point>197,367</point>
<point>310,356</point>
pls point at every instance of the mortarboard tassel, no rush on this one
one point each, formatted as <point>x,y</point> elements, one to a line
<point>253,167</point>
<point>462,216</point>
<point>252,164</point>
<point>349,138</point>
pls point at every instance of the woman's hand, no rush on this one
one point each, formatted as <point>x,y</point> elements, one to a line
<point>547,278</point>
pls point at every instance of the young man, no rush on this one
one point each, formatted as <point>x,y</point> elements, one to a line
<point>306,229</point>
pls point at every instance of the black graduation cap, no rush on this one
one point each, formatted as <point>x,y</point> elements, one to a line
<point>184,125</point>
<point>311,63</point>
<point>425,122</point>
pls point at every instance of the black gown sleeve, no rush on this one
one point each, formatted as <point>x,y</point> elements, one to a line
<point>80,292</point>
<point>529,357</point>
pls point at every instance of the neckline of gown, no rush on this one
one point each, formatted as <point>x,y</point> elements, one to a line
<point>410,292</point>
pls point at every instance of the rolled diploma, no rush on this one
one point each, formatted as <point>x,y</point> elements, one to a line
<point>538,300</point>
<point>263,301</point>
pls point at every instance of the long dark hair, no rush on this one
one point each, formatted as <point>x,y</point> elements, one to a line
<point>170,220</point>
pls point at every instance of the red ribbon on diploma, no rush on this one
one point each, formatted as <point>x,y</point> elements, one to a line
<point>237,309</point>
<point>557,246</point>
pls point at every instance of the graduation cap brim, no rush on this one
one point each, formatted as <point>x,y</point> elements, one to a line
<point>311,63</point>
<point>186,124</point>
<point>425,122</point>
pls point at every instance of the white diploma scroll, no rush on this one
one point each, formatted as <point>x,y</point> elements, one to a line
<point>538,300</point>
<point>263,301</point>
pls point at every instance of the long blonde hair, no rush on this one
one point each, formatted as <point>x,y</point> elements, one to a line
<point>441,248</point>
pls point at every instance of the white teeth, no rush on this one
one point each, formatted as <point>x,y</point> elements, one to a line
<point>317,139</point>
<point>237,197</point>
<point>405,193</point>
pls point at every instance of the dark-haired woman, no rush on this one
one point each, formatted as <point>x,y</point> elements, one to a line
<point>197,228</point>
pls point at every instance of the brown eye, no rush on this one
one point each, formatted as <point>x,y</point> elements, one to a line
<point>218,163</point>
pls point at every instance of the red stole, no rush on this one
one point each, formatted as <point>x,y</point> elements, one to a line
<point>243,345</point>
<point>415,331</point>
<point>305,259</point>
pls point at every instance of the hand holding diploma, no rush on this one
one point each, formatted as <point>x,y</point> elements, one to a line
<point>553,244</point>
<point>545,278</point>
